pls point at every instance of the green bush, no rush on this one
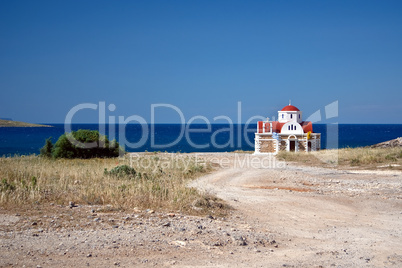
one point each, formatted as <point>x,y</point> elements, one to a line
<point>81,144</point>
<point>47,149</point>
<point>121,171</point>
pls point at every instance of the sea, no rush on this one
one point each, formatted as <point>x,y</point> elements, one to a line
<point>189,138</point>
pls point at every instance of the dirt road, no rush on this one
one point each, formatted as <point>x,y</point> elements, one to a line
<point>285,216</point>
<point>321,217</point>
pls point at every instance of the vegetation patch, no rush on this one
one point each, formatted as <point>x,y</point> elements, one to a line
<point>361,157</point>
<point>82,144</point>
<point>157,181</point>
<point>121,171</point>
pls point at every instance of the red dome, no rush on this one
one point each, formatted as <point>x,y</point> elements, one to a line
<point>290,108</point>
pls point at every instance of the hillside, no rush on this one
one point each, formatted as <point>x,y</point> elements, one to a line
<point>389,144</point>
<point>9,123</point>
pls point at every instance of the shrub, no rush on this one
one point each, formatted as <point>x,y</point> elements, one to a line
<point>46,150</point>
<point>81,144</point>
<point>121,171</point>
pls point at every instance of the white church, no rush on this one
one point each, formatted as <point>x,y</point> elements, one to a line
<point>289,133</point>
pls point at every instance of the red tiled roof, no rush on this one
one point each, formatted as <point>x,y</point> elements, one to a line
<point>277,127</point>
<point>290,108</point>
<point>307,126</point>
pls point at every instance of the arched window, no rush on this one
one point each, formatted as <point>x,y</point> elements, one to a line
<point>283,115</point>
<point>291,115</point>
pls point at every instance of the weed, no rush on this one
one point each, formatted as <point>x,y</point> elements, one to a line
<point>6,186</point>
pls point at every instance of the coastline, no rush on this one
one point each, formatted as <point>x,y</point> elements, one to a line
<point>10,123</point>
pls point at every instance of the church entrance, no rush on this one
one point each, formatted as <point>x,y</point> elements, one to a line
<point>292,146</point>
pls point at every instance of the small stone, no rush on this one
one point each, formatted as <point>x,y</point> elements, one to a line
<point>34,223</point>
<point>89,255</point>
<point>171,215</point>
<point>150,211</point>
<point>115,226</point>
<point>166,224</point>
<point>71,204</point>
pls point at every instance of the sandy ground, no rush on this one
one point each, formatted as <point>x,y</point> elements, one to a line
<point>284,216</point>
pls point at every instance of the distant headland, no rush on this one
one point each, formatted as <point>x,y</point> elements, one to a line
<point>11,123</point>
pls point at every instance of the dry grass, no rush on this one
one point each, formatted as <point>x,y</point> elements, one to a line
<point>243,152</point>
<point>362,157</point>
<point>160,183</point>
<point>371,157</point>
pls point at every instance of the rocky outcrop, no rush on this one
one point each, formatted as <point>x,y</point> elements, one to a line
<point>389,144</point>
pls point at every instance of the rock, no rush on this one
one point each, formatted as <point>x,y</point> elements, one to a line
<point>239,240</point>
<point>89,255</point>
<point>179,243</point>
<point>389,144</point>
<point>166,224</point>
<point>71,204</point>
<point>136,209</point>
<point>217,244</point>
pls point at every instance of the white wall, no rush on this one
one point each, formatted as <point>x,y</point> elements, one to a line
<point>292,128</point>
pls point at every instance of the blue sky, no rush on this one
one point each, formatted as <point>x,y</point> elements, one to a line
<point>202,57</point>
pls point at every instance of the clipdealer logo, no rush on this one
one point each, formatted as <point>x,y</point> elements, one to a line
<point>148,131</point>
